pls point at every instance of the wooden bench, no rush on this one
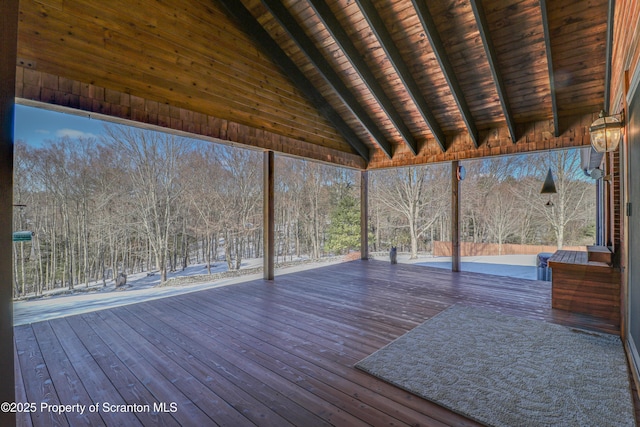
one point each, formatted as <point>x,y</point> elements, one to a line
<point>583,286</point>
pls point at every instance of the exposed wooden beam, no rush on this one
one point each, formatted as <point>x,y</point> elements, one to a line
<point>383,36</point>
<point>609,56</point>
<point>268,215</point>
<point>288,22</point>
<point>8,59</point>
<point>359,64</point>
<point>253,28</point>
<point>364,215</point>
<point>441,55</point>
<point>487,42</point>
<point>499,143</point>
<point>552,84</point>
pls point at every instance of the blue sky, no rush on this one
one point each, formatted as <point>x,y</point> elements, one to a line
<point>36,125</point>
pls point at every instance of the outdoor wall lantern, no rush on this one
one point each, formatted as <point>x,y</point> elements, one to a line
<point>606,133</point>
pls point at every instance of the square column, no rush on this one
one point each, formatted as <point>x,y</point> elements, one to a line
<point>364,215</point>
<point>268,215</point>
<point>455,217</point>
<point>8,60</point>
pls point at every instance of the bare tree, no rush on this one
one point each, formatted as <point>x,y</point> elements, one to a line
<point>152,160</point>
<point>238,197</point>
<point>314,190</point>
<point>201,176</point>
<point>306,195</point>
<point>489,207</point>
<point>500,216</point>
<point>289,205</point>
<point>61,172</point>
<point>575,194</point>
<point>419,194</point>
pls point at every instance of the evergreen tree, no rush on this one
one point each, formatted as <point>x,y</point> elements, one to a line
<point>344,229</point>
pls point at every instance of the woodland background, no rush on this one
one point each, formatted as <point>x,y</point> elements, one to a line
<point>136,200</point>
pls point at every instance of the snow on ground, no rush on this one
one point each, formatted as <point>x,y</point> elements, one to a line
<point>520,266</point>
<point>141,287</point>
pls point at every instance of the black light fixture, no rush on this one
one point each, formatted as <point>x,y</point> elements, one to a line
<point>606,132</point>
<point>549,186</point>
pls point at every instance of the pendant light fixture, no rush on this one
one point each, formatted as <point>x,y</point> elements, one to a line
<point>549,186</point>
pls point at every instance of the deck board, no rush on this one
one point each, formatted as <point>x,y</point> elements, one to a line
<point>37,382</point>
<point>294,365</point>
<point>97,383</point>
<point>189,349</point>
<point>127,375</point>
<point>68,385</point>
<point>263,353</point>
<point>22,418</point>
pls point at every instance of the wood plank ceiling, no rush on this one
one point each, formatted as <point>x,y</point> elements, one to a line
<point>394,81</point>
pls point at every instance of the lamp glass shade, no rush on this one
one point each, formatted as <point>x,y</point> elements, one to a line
<point>549,186</point>
<point>605,134</point>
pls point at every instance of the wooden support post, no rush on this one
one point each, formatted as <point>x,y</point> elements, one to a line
<point>455,217</point>
<point>268,215</point>
<point>8,60</point>
<point>364,215</point>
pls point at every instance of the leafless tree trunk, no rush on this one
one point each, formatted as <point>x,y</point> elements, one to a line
<point>417,194</point>
<point>571,203</point>
<point>152,159</point>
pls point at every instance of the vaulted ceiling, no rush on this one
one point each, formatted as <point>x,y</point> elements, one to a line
<point>386,82</point>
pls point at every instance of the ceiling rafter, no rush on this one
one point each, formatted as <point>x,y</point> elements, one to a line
<point>295,31</point>
<point>246,21</point>
<point>552,84</point>
<point>441,55</point>
<point>341,37</point>
<point>383,36</point>
<point>608,55</point>
<point>487,42</point>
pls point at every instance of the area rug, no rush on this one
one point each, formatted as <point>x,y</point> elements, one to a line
<point>507,371</point>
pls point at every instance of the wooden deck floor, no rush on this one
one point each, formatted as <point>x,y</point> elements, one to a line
<point>259,353</point>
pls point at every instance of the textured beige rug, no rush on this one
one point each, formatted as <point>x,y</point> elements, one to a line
<point>508,371</point>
